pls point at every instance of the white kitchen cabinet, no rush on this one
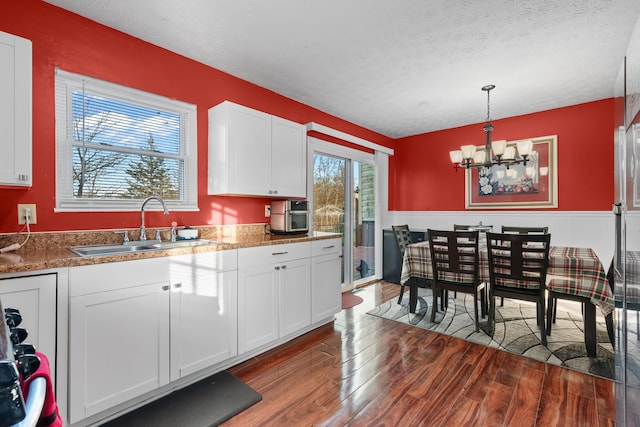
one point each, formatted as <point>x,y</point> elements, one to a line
<point>35,297</point>
<point>204,301</point>
<point>15,110</point>
<point>254,153</point>
<point>118,332</point>
<point>288,158</point>
<point>274,297</point>
<point>138,325</point>
<point>295,295</point>
<point>326,280</point>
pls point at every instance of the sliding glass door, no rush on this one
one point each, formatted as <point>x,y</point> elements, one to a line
<point>343,202</point>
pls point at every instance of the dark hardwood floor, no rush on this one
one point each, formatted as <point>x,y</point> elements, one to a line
<point>365,371</point>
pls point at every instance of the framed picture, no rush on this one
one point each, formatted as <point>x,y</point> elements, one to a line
<point>530,186</point>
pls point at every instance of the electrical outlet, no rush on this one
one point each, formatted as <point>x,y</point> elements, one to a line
<point>22,214</point>
<point>267,211</point>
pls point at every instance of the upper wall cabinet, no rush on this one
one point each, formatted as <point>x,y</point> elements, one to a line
<point>15,110</point>
<point>256,154</point>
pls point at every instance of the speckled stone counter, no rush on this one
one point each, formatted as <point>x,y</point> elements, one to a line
<point>51,250</point>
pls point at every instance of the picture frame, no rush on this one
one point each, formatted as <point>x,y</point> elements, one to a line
<point>530,186</point>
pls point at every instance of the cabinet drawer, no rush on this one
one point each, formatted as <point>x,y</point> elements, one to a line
<point>273,253</point>
<point>322,247</point>
<point>89,279</point>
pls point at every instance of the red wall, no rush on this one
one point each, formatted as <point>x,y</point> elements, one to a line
<point>75,44</point>
<point>423,179</point>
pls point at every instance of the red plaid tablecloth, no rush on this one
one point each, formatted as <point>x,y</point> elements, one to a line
<point>576,271</point>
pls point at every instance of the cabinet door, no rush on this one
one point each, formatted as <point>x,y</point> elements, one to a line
<point>15,110</point>
<point>249,142</point>
<point>288,158</point>
<point>119,347</point>
<point>257,306</point>
<point>203,313</point>
<point>295,295</point>
<point>325,286</point>
<point>35,297</point>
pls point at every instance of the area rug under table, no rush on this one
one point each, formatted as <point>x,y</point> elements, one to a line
<point>515,330</point>
<point>208,402</point>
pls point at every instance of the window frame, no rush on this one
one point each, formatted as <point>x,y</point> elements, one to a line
<point>67,82</point>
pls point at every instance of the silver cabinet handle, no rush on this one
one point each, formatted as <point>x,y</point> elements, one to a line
<point>165,288</point>
<point>328,247</point>
<point>277,267</point>
<point>177,285</point>
<point>284,267</point>
<point>279,253</point>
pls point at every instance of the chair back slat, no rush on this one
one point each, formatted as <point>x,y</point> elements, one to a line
<point>525,230</point>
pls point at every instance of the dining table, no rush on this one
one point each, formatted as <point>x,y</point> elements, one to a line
<point>572,270</point>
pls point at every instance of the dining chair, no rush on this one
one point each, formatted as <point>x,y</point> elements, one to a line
<point>525,230</point>
<point>518,266</point>
<point>522,230</point>
<point>403,239</point>
<point>454,263</point>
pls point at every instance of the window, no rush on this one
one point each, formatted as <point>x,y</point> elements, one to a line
<point>115,146</point>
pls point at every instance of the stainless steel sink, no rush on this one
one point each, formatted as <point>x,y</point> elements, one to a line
<point>110,249</point>
<point>138,246</point>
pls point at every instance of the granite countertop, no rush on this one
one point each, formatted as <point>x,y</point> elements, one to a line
<point>40,258</point>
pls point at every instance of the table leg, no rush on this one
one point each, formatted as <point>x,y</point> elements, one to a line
<point>413,294</point>
<point>590,328</point>
<point>610,329</point>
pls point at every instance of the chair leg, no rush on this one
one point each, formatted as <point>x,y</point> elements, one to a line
<point>492,313</point>
<point>550,315</point>
<point>483,302</point>
<point>434,305</point>
<point>543,332</point>
<point>401,293</point>
<point>475,310</point>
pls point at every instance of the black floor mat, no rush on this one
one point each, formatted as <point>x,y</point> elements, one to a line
<point>208,402</point>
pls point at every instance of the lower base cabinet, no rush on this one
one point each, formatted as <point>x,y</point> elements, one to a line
<point>204,303</point>
<point>274,293</point>
<point>135,326</point>
<point>118,332</point>
<point>326,267</point>
<point>35,297</point>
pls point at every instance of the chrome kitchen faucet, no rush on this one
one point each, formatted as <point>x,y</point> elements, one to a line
<point>143,231</point>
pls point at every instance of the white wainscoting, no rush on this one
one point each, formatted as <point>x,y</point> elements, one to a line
<point>592,229</point>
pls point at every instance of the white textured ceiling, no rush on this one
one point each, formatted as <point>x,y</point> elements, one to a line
<point>398,67</point>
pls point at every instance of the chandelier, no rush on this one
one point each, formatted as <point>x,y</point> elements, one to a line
<point>468,157</point>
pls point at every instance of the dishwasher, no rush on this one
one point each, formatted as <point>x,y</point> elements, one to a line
<point>23,372</point>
